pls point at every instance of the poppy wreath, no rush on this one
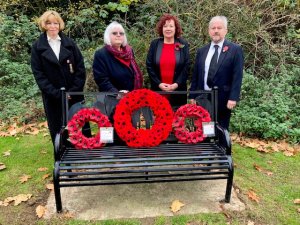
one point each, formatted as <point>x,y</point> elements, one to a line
<point>75,125</point>
<point>163,116</point>
<point>190,111</point>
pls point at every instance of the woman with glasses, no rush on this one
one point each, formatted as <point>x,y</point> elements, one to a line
<point>168,59</point>
<point>56,62</point>
<point>114,66</point>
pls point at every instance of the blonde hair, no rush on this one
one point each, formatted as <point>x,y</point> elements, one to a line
<point>108,31</point>
<point>45,17</point>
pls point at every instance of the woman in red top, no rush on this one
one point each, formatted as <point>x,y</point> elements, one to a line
<point>168,59</point>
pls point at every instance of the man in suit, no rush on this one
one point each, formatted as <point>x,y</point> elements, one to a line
<point>219,63</point>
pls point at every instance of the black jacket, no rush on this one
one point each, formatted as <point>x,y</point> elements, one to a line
<point>181,68</point>
<point>110,74</point>
<point>50,73</point>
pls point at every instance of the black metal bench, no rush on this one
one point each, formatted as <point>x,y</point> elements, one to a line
<point>169,162</point>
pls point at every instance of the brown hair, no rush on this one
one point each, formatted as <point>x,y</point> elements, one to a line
<point>162,22</point>
<point>44,18</point>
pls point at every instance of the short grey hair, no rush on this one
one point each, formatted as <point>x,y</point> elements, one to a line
<point>222,18</point>
<point>108,31</point>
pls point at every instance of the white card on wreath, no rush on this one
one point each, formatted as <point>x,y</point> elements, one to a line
<point>208,129</point>
<point>106,134</point>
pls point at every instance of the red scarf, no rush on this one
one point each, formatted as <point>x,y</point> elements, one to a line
<point>126,54</point>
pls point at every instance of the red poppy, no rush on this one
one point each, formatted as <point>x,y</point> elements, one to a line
<point>225,48</point>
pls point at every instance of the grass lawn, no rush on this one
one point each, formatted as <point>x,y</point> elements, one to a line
<point>276,190</point>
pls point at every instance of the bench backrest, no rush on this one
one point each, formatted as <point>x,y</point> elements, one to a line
<point>106,103</point>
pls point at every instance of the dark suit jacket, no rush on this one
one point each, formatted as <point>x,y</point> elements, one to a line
<point>50,73</point>
<point>181,68</point>
<point>228,76</point>
<point>110,74</point>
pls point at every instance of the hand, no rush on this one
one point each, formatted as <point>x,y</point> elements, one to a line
<point>122,93</point>
<point>231,104</point>
<point>192,101</point>
<point>173,87</point>
<point>164,86</point>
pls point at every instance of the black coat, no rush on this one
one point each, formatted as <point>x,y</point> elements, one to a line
<point>52,74</point>
<point>110,74</point>
<point>181,66</point>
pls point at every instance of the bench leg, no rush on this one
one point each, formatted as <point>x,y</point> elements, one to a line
<point>229,182</point>
<point>57,190</point>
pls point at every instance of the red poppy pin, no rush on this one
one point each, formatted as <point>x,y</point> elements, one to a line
<point>225,48</point>
<point>178,46</point>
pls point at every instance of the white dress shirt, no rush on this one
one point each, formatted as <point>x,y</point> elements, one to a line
<point>209,56</point>
<point>55,45</point>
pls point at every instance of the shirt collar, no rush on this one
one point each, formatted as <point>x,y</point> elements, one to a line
<point>220,44</point>
<point>56,39</point>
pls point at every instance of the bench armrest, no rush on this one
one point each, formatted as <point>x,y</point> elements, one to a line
<point>224,138</point>
<point>60,140</point>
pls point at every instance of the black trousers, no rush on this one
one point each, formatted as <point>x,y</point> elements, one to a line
<point>54,114</point>
<point>224,117</point>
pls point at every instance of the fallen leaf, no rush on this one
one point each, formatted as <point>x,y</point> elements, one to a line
<point>2,203</point>
<point>263,149</point>
<point>6,201</point>
<point>297,201</point>
<point>269,173</point>
<point>2,166</point>
<point>262,170</point>
<point>17,199</point>
<point>253,145</point>
<point>45,134</point>
<point>176,206</point>
<point>46,176</point>
<point>22,198</point>
<point>24,178</point>
<point>50,186</point>
<point>43,124</point>
<point>42,169</point>
<point>6,154</point>
<point>68,215</point>
<point>257,167</point>
<point>253,196</point>
<point>224,211</point>
<point>12,131</point>
<point>40,211</point>
<point>250,222</point>
<point>33,131</point>
<point>288,153</point>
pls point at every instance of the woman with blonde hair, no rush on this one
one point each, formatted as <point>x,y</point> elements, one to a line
<point>56,63</point>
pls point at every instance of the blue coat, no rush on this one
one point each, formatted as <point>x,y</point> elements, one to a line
<point>228,76</point>
<point>110,74</point>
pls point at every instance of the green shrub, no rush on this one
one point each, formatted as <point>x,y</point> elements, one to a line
<point>19,93</point>
<point>269,108</point>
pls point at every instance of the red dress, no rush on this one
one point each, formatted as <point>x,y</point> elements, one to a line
<point>167,63</point>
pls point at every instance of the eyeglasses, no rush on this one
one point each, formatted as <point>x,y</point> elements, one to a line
<point>116,33</point>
